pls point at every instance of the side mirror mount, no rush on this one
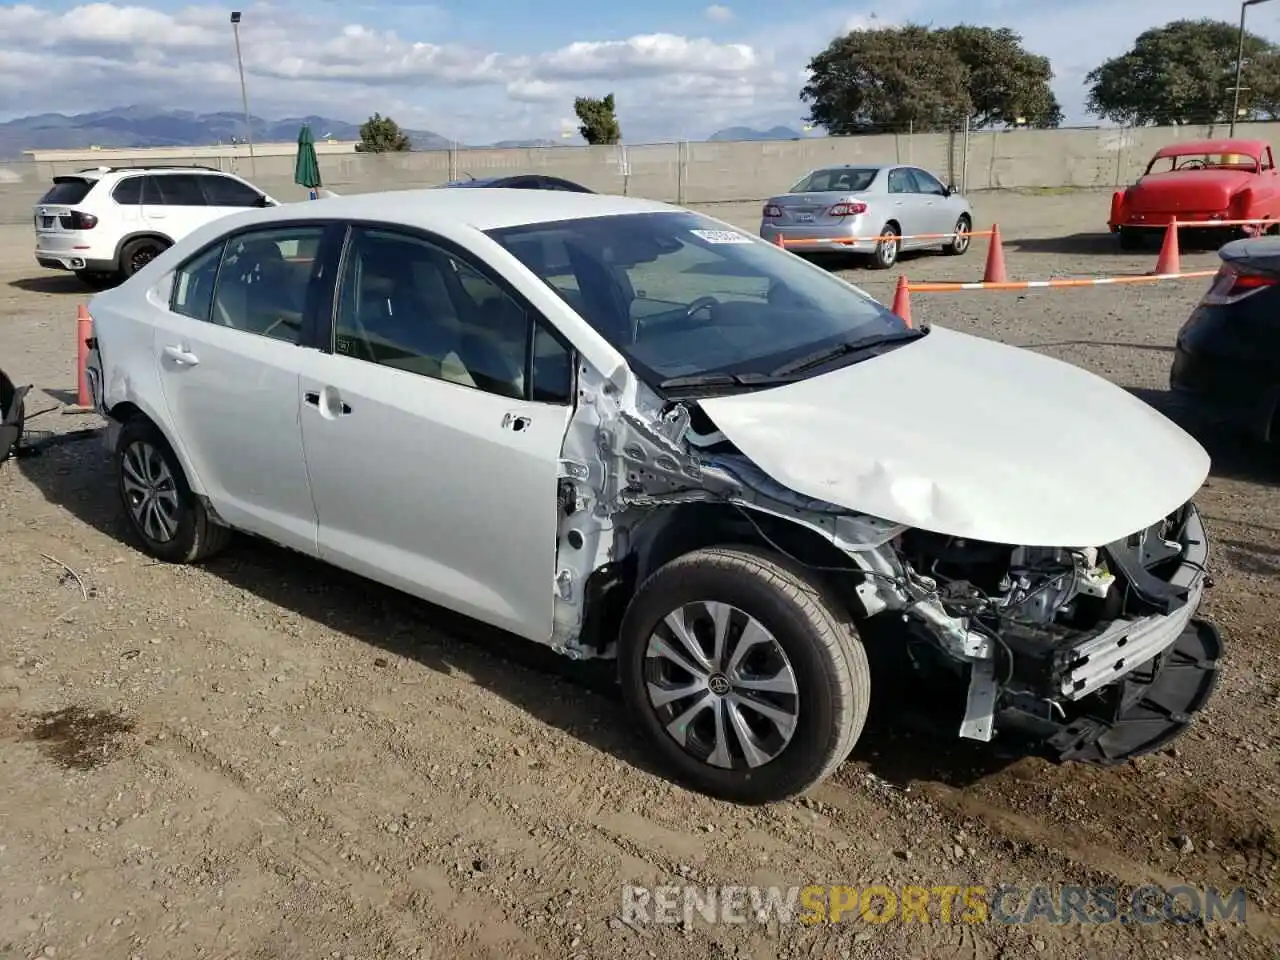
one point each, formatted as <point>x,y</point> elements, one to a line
<point>265,201</point>
<point>952,190</point>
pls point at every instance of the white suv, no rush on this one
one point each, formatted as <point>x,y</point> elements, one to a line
<point>106,223</point>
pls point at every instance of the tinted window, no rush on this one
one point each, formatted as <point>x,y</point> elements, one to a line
<point>679,294</point>
<point>68,190</point>
<point>408,304</point>
<point>225,192</point>
<point>837,180</point>
<point>193,284</point>
<point>128,191</point>
<point>555,183</point>
<point>264,280</point>
<point>180,190</point>
<point>927,183</point>
<point>900,181</point>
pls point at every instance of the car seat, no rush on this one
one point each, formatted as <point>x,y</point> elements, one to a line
<point>606,305</point>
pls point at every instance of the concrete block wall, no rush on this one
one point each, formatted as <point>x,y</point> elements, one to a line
<point>709,172</point>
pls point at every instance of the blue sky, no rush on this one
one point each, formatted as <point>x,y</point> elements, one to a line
<point>502,69</point>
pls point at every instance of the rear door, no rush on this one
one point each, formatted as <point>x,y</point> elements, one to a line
<point>53,212</point>
<point>174,204</point>
<point>230,345</point>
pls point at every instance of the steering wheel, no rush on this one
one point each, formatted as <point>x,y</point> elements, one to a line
<point>702,303</point>
<point>1192,165</point>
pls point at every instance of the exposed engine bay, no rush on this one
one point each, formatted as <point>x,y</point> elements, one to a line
<point>1061,645</point>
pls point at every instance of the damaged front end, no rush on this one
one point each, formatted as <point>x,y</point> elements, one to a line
<point>1090,653</point>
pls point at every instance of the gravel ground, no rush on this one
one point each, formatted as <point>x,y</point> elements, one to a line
<point>267,758</point>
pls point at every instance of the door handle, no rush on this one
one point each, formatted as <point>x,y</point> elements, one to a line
<point>313,398</point>
<point>179,355</point>
<point>515,422</point>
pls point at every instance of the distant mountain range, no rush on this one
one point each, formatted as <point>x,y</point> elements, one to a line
<point>148,127</point>
<point>746,133</point>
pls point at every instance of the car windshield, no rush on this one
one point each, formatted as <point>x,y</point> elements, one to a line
<point>837,180</point>
<point>1203,161</point>
<point>681,295</point>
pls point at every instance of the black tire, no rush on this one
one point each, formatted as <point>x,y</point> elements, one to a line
<point>822,649</point>
<point>95,280</point>
<point>1130,239</point>
<point>195,537</point>
<point>136,254</point>
<point>887,250</point>
<point>959,245</point>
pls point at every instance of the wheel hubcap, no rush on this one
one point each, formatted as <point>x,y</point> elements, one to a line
<point>889,250</point>
<point>151,491</point>
<point>721,685</point>
<point>962,235</point>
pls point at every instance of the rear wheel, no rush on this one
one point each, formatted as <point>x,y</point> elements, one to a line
<point>747,678</point>
<point>138,253</point>
<point>1130,239</point>
<point>166,516</point>
<point>887,250</point>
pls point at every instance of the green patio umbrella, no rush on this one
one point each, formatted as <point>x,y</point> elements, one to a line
<point>306,169</point>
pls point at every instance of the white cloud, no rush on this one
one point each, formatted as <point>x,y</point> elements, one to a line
<point>718,13</point>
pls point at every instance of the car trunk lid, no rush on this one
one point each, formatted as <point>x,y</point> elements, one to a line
<point>790,209</point>
<point>1185,191</point>
<point>54,214</point>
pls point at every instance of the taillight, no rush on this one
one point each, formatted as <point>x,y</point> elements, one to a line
<point>847,209</point>
<point>75,220</point>
<point>772,210</point>
<point>1231,284</point>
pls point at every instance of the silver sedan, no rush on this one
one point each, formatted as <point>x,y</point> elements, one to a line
<point>870,209</point>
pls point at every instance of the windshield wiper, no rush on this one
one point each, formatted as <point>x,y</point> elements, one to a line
<point>849,346</point>
<point>695,380</point>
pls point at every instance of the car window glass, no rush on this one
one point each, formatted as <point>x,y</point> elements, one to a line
<point>680,294</point>
<point>264,280</point>
<point>128,191</point>
<point>193,284</point>
<point>408,304</point>
<point>226,192</point>
<point>68,190</point>
<point>180,190</point>
<point>837,179</point>
<point>900,181</point>
<point>927,183</point>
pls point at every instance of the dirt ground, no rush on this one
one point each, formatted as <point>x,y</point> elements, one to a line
<point>265,758</point>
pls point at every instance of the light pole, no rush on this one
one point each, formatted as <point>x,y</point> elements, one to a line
<point>1235,103</point>
<point>244,95</point>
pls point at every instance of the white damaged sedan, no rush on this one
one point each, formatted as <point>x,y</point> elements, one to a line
<point>627,430</point>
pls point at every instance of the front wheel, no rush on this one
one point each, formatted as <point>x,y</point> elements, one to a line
<point>745,675</point>
<point>959,244</point>
<point>165,515</point>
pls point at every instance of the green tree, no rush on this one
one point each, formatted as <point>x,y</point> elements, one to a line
<point>917,77</point>
<point>1184,72</point>
<point>381,134</point>
<point>1005,83</point>
<point>598,121</point>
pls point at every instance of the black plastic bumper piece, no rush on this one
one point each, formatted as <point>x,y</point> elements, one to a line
<point>1154,706</point>
<point>12,416</point>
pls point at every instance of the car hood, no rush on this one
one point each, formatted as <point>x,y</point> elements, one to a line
<point>965,436</point>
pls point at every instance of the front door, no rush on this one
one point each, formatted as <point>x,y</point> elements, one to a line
<point>432,467</point>
<point>229,360</point>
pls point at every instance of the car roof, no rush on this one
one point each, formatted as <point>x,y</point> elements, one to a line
<point>1247,147</point>
<point>479,209</point>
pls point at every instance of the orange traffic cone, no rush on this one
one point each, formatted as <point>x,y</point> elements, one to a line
<point>1169,260</point>
<point>902,300</point>
<point>84,330</point>
<point>994,270</point>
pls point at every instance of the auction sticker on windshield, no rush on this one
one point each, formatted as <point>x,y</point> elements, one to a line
<point>721,236</point>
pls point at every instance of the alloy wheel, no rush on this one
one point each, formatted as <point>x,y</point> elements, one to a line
<point>151,491</point>
<point>721,685</point>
